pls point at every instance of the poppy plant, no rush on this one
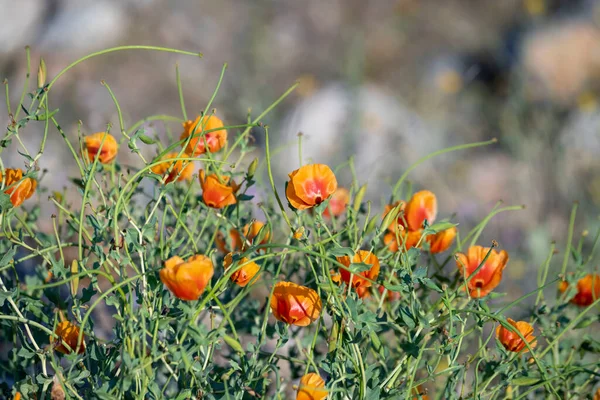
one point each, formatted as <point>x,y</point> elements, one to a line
<point>18,189</point>
<point>246,271</point>
<point>187,279</point>
<point>217,192</point>
<point>358,280</point>
<point>489,276</point>
<point>69,333</point>
<point>409,224</point>
<point>511,340</point>
<point>310,185</point>
<point>337,203</point>
<point>215,136</point>
<point>311,387</point>
<point>588,290</point>
<point>103,145</point>
<point>295,304</point>
<point>180,170</point>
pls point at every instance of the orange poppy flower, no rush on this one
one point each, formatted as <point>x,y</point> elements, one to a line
<point>250,232</point>
<point>310,185</point>
<point>182,170</point>
<point>295,304</point>
<point>312,387</point>
<point>489,276</point>
<point>248,269</point>
<point>338,202</point>
<point>409,222</point>
<point>19,192</point>
<point>408,240</point>
<point>358,280</point>
<point>215,139</point>
<point>69,333</point>
<point>109,149</point>
<point>17,396</point>
<point>187,280</point>
<point>215,193</point>
<point>511,341</point>
<point>588,290</point>
<point>441,241</point>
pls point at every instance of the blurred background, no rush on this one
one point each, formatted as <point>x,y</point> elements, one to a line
<point>387,81</point>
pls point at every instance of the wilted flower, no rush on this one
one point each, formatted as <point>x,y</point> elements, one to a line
<point>298,233</point>
<point>408,225</point>
<point>511,341</point>
<point>187,280</point>
<point>588,290</point>
<point>358,280</point>
<point>69,333</point>
<point>295,304</point>
<point>337,203</point>
<point>310,185</point>
<point>20,191</point>
<point>217,193</point>
<point>215,139</point>
<point>109,149</point>
<point>489,276</point>
<point>246,271</point>
<point>182,170</point>
<point>312,387</point>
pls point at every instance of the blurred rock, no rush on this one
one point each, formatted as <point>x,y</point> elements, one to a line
<point>82,26</point>
<point>19,23</point>
<point>561,60</point>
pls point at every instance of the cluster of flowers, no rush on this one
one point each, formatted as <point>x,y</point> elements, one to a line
<point>307,187</point>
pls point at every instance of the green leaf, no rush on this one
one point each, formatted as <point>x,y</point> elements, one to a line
<point>439,227</point>
<point>525,381</point>
<point>357,268</point>
<point>234,344</point>
<point>8,256</point>
<point>341,252</point>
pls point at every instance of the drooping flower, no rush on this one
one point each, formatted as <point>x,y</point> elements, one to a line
<point>588,290</point>
<point>408,225</point>
<point>69,333</point>
<point>181,170</point>
<point>187,280</point>
<point>337,203</point>
<point>358,280</point>
<point>311,387</point>
<point>246,271</point>
<point>489,276</point>
<point>310,185</point>
<point>251,231</point>
<point>441,241</point>
<point>215,139</point>
<point>102,144</point>
<point>512,341</point>
<point>295,304</point>
<point>217,193</point>
<point>19,191</point>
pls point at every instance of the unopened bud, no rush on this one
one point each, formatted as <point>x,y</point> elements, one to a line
<point>252,168</point>
<point>41,77</point>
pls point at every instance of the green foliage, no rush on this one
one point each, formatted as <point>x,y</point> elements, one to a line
<point>416,334</point>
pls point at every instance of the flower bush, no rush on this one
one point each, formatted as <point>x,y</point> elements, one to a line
<point>153,285</point>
